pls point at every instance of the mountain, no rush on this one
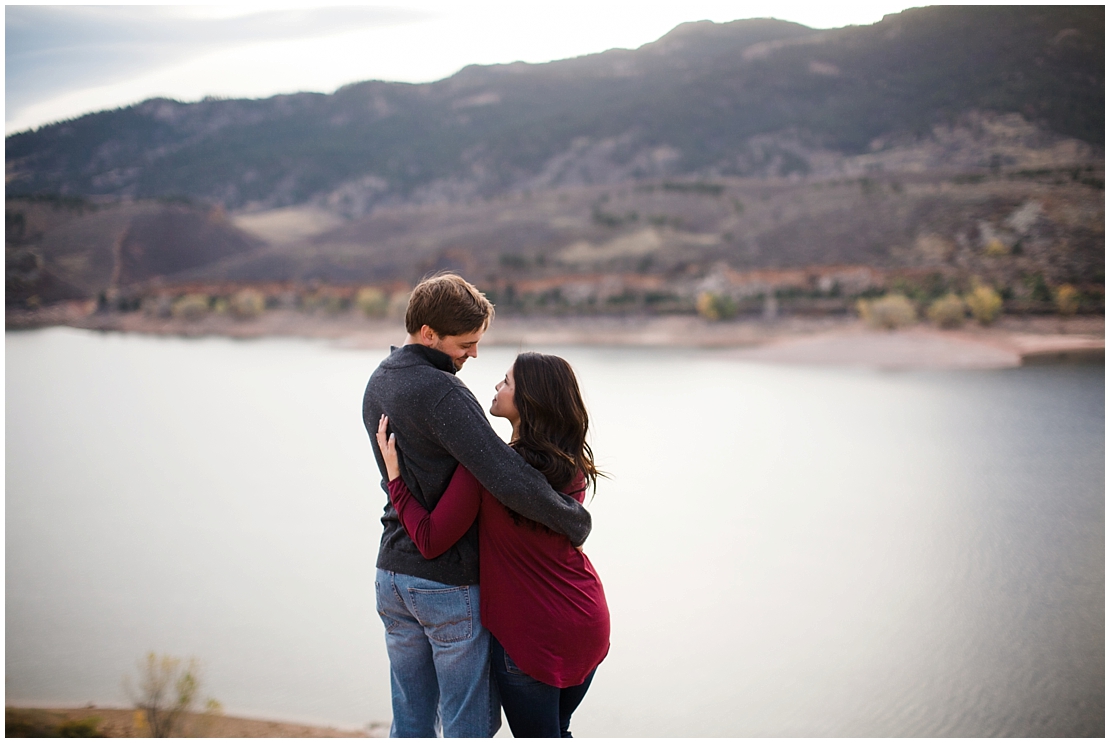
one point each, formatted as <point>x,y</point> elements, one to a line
<point>951,144</point>
<point>694,103</point>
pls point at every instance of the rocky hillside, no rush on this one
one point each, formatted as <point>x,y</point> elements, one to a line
<point>1022,230</point>
<point>940,146</point>
<point>70,248</point>
<point>1004,227</point>
<point>748,98</point>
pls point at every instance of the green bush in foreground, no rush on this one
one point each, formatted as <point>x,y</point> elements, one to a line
<point>985,304</point>
<point>948,312</point>
<point>48,724</point>
<point>88,727</point>
<point>890,311</point>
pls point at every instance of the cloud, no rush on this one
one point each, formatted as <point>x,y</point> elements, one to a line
<point>52,50</point>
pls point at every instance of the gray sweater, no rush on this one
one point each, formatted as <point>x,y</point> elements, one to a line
<point>439,424</point>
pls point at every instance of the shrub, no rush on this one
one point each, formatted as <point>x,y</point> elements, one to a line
<point>984,303</point>
<point>1038,288</point>
<point>714,307</point>
<point>190,307</point>
<point>707,306</point>
<point>372,301</point>
<point>88,727</point>
<point>36,723</point>
<point>167,690</point>
<point>324,301</point>
<point>890,311</point>
<point>996,247</point>
<point>948,312</point>
<point>159,305</point>
<point>247,303</point>
<point>398,303</point>
<point>1067,299</point>
<point>863,309</point>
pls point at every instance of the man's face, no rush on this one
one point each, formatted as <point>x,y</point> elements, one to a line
<point>458,347</point>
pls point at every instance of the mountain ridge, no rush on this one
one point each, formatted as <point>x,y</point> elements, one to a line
<point>686,104</point>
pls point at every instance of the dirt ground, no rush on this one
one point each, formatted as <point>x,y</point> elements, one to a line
<point>925,347</point>
<point>126,723</point>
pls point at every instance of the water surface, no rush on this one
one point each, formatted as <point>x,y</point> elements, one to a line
<point>786,550</point>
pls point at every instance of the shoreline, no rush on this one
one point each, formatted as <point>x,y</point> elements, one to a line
<point>837,341</point>
<point>115,722</point>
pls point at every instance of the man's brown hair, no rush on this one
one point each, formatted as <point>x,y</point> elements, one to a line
<point>448,304</point>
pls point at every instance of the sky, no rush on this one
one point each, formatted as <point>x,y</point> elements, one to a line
<point>65,61</point>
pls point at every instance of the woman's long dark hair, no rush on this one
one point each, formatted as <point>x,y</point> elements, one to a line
<point>553,420</point>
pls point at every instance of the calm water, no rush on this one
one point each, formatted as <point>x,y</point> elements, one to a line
<point>786,551</point>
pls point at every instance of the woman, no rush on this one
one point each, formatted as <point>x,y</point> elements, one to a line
<point>540,597</point>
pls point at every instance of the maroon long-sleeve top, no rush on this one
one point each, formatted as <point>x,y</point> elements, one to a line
<point>540,597</point>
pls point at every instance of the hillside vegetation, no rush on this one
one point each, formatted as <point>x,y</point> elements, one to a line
<point>940,146</point>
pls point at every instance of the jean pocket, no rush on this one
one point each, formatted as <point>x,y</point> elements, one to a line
<point>445,613</point>
<point>513,668</point>
<point>388,618</point>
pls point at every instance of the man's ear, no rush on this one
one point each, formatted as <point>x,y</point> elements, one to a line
<point>428,337</point>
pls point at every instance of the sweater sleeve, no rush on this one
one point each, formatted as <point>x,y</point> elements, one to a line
<point>465,433</point>
<point>434,533</point>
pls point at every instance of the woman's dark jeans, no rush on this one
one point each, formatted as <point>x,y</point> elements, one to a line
<point>534,709</point>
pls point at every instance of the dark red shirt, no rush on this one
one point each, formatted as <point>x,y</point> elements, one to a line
<point>541,598</point>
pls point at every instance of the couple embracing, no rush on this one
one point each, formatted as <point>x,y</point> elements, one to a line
<point>487,598</point>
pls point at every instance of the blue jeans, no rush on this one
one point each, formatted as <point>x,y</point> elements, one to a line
<point>438,659</point>
<point>534,709</point>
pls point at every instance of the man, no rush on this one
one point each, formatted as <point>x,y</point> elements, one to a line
<point>438,649</point>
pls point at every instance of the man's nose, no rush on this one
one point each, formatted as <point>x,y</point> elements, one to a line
<point>472,352</point>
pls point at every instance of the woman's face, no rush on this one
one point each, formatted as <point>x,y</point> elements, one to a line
<point>503,405</point>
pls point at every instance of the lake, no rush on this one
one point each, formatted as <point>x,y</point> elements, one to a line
<point>787,551</point>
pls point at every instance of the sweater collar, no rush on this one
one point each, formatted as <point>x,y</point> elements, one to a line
<point>438,359</point>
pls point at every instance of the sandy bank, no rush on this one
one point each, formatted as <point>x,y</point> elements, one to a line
<point>1012,341</point>
<point>927,348</point>
<point>121,723</point>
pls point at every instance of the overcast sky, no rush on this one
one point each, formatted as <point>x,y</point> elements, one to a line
<point>64,61</point>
